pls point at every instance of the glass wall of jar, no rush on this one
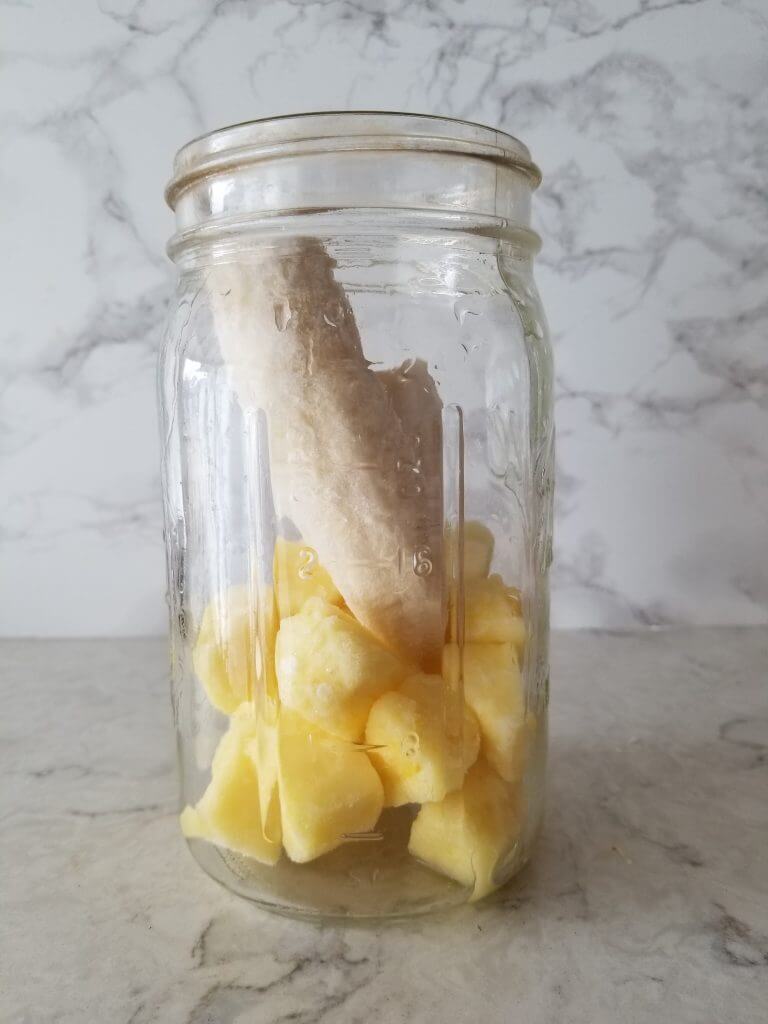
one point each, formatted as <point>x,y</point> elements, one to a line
<point>357,459</point>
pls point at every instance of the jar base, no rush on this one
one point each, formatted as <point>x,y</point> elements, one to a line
<point>412,890</point>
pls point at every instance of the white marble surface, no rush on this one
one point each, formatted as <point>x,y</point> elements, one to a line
<point>649,120</point>
<point>647,900</point>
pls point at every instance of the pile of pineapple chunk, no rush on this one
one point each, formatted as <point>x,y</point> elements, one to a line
<point>337,727</point>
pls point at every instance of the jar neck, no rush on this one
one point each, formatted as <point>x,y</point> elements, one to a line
<point>364,166</point>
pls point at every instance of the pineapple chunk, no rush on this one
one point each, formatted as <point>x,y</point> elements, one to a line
<point>227,653</point>
<point>493,688</point>
<point>298,575</point>
<point>229,812</point>
<point>470,835</point>
<point>414,756</point>
<point>492,613</point>
<point>478,550</point>
<point>262,750</point>
<point>330,669</point>
<point>329,790</point>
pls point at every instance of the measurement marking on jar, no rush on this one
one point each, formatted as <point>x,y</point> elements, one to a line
<point>422,561</point>
<point>409,470</point>
<point>308,559</point>
<point>411,489</point>
<point>362,837</point>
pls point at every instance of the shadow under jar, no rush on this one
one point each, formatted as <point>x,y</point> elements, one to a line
<point>357,468</point>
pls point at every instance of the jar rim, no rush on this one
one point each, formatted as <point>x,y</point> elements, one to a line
<point>343,131</point>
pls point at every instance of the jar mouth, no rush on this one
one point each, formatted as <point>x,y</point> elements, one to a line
<point>357,131</point>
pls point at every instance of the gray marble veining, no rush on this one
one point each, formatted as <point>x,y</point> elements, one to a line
<point>650,122</point>
<point>647,900</point>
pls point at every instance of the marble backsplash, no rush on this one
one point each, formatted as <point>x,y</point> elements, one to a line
<point>650,121</point>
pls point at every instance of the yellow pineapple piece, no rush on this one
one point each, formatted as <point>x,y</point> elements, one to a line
<point>492,613</point>
<point>478,550</point>
<point>227,653</point>
<point>298,576</point>
<point>493,688</point>
<point>329,790</point>
<point>224,651</point>
<point>413,753</point>
<point>330,669</point>
<point>229,812</point>
<point>470,835</point>
<point>262,750</point>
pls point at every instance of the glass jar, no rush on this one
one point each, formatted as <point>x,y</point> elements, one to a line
<point>357,469</point>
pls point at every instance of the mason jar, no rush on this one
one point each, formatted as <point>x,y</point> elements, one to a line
<point>357,452</point>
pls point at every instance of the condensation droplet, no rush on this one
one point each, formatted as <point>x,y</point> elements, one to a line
<point>404,371</point>
<point>461,310</point>
<point>329,321</point>
<point>283,314</point>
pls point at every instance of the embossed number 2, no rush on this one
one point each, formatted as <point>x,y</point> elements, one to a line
<point>307,563</point>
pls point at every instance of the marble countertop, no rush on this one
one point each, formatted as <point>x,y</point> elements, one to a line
<point>648,899</point>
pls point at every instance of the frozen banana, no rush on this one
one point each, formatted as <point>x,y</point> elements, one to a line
<point>354,454</point>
